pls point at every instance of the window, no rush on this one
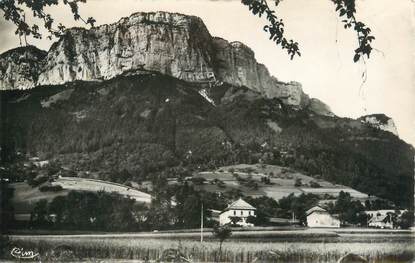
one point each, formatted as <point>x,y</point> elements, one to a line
<point>242,212</point>
<point>234,212</point>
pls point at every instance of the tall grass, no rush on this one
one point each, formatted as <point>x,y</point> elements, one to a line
<point>87,249</point>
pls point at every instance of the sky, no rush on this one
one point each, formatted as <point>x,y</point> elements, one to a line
<point>325,69</point>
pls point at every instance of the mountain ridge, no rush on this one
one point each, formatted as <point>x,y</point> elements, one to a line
<point>170,43</point>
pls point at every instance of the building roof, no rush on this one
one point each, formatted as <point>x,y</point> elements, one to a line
<point>315,209</point>
<point>240,205</point>
<point>214,213</point>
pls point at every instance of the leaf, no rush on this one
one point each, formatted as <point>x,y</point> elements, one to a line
<point>356,57</point>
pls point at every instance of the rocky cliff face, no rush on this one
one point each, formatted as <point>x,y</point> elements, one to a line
<point>235,63</point>
<point>170,43</point>
<point>381,122</point>
<point>19,67</point>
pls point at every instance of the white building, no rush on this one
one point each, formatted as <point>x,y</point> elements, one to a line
<point>381,221</point>
<point>319,217</point>
<point>240,209</point>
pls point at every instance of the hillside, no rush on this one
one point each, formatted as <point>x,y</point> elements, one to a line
<point>151,123</point>
<point>269,180</point>
<point>25,196</point>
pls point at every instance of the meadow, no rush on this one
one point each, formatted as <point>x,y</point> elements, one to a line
<point>382,248</point>
<point>281,184</point>
<point>25,196</point>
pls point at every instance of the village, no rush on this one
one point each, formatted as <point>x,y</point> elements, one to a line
<point>240,213</point>
<point>246,196</point>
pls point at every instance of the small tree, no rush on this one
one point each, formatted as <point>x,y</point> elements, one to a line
<point>298,182</point>
<point>222,233</point>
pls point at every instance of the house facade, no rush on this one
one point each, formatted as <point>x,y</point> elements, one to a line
<point>319,217</point>
<point>240,209</point>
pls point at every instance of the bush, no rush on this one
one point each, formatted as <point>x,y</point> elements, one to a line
<point>38,181</point>
<point>298,182</point>
<point>50,188</point>
<point>198,180</point>
<point>314,184</point>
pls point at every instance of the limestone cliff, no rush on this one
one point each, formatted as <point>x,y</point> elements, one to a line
<point>19,67</point>
<point>170,43</point>
<point>381,122</point>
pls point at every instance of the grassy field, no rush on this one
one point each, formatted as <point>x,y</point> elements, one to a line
<point>83,184</point>
<point>25,196</point>
<point>397,248</point>
<point>282,182</point>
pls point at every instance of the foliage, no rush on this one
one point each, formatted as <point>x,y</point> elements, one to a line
<point>135,149</point>
<point>349,211</point>
<point>298,182</point>
<point>188,206</point>
<point>314,184</point>
<point>39,215</point>
<point>89,211</point>
<point>347,11</point>
<point>266,207</point>
<point>275,28</point>
<point>222,233</point>
<point>297,205</point>
<point>33,182</point>
<point>198,180</point>
<point>15,13</point>
<point>50,188</point>
<point>406,220</point>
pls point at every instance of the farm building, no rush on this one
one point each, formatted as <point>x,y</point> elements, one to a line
<point>372,213</point>
<point>381,221</point>
<point>319,217</point>
<point>240,209</point>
